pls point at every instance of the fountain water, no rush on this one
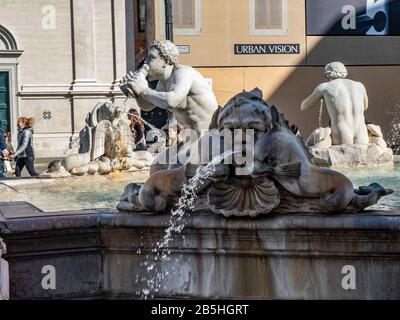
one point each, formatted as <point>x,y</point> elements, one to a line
<point>152,277</point>
<point>394,132</point>
<point>321,113</point>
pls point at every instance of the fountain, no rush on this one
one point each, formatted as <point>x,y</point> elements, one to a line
<point>105,145</point>
<point>239,210</point>
<point>282,178</point>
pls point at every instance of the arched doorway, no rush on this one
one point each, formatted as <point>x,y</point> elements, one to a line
<point>9,55</point>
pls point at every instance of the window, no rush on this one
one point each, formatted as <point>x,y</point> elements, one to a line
<point>184,14</point>
<point>141,15</point>
<point>268,17</point>
<point>187,17</point>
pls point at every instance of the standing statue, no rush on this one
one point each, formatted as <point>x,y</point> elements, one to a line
<point>349,141</point>
<point>181,89</point>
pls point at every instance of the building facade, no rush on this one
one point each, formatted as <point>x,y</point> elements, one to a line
<point>59,58</point>
<point>281,46</point>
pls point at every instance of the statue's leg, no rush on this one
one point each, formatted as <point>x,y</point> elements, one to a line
<point>361,134</point>
<point>339,199</point>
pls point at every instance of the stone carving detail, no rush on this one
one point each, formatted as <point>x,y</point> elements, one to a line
<point>243,197</point>
<point>47,115</point>
<point>105,145</point>
<point>282,177</point>
<point>4,275</point>
<point>349,141</point>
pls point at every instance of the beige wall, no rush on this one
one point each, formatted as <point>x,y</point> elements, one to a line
<point>287,79</point>
<point>225,23</point>
<point>286,87</point>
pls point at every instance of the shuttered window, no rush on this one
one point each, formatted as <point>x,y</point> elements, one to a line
<point>268,14</point>
<point>184,14</point>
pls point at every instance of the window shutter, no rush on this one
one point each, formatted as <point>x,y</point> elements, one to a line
<point>175,12</point>
<point>188,12</point>
<point>261,14</point>
<point>268,14</point>
<point>184,14</point>
<point>275,14</point>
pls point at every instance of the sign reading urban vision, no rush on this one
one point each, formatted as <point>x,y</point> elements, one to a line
<point>267,48</point>
<point>353,17</point>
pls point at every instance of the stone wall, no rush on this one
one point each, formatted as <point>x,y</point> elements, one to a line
<point>99,254</point>
<point>4,280</point>
<point>70,56</point>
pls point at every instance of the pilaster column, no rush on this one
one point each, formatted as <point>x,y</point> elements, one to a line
<point>83,38</point>
<point>119,35</point>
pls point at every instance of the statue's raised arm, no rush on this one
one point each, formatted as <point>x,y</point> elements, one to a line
<point>181,89</point>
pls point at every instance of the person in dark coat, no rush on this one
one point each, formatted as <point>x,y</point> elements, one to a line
<point>3,151</point>
<point>25,153</point>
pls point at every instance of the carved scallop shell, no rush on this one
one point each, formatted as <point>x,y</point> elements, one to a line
<point>243,196</point>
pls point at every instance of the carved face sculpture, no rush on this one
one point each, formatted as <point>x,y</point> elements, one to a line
<point>156,64</point>
<point>108,111</point>
<point>248,118</point>
<point>246,111</point>
<point>240,194</point>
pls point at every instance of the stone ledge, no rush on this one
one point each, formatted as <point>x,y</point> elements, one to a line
<point>272,257</point>
<point>354,155</point>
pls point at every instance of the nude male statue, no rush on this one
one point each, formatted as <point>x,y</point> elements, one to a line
<point>181,89</point>
<point>346,101</point>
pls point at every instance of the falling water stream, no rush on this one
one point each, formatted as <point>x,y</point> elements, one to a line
<point>321,113</point>
<point>151,277</point>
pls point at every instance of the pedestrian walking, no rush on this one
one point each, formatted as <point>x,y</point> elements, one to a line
<point>25,154</point>
<point>3,151</point>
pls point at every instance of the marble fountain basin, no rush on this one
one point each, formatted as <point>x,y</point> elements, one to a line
<point>98,253</point>
<point>99,192</point>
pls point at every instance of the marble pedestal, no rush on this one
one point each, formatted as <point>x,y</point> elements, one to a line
<point>98,254</point>
<point>353,155</point>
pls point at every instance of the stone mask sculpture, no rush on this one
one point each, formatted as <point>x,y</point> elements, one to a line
<point>349,141</point>
<point>105,144</point>
<point>281,178</point>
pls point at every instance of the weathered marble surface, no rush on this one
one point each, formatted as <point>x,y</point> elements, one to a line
<point>106,145</point>
<point>181,89</point>
<point>346,101</point>
<point>4,277</point>
<point>296,256</point>
<point>353,155</point>
<point>266,154</point>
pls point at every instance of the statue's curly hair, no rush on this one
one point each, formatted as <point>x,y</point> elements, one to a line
<point>168,51</point>
<point>335,70</point>
<point>255,97</point>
